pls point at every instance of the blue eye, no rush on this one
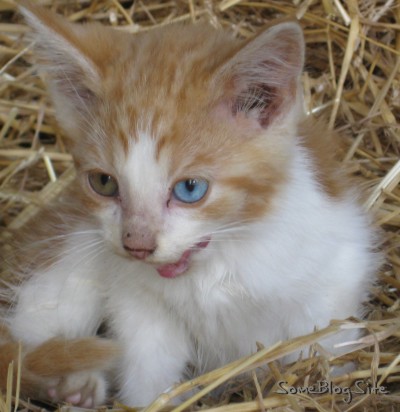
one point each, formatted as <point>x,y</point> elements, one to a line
<point>190,190</point>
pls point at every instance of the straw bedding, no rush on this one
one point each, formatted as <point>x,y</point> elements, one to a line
<point>352,78</point>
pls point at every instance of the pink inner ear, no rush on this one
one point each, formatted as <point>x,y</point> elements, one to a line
<point>261,79</point>
<point>255,106</point>
<point>261,102</point>
<point>225,112</point>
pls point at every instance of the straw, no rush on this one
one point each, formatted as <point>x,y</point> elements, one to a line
<point>353,80</point>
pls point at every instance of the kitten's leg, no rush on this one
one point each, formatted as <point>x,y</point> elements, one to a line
<point>65,300</point>
<point>68,317</point>
<point>70,371</point>
<point>151,365</point>
<point>66,369</point>
<point>156,350</point>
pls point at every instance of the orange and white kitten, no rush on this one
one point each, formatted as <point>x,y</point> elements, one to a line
<point>208,213</point>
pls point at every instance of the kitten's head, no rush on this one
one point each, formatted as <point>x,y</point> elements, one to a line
<point>179,135</point>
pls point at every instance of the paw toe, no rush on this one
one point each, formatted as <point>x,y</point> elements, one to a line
<point>88,403</point>
<point>75,398</point>
<point>85,390</point>
<point>52,392</point>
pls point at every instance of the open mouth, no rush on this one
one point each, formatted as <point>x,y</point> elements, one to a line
<point>172,270</point>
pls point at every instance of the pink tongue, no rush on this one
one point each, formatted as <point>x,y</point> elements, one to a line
<point>171,270</point>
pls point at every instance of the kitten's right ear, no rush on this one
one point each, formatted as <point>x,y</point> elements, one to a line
<point>261,79</point>
<point>64,54</point>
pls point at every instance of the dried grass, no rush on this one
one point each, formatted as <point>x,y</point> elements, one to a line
<point>353,79</point>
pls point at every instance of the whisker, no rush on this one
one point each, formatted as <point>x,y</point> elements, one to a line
<point>81,247</point>
<point>92,254</point>
<point>68,251</point>
<point>66,236</point>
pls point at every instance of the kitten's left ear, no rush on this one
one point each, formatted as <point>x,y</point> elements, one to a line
<point>75,59</point>
<point>262,78</point>
<point>62,52</point>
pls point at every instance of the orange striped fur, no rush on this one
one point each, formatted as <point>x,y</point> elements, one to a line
<point>47,364</point>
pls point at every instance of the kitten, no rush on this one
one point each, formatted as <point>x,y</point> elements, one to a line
<point>208,212</point>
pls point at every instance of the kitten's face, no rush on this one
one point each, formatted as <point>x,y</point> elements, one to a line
<point>181,183</point>
<point>180,136</point>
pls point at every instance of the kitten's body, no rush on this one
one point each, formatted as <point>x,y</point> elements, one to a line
<point>276,247</point>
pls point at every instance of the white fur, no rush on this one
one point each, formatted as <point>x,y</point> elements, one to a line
<point>307,262</point>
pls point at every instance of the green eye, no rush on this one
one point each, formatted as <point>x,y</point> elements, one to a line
<point>103,184</point>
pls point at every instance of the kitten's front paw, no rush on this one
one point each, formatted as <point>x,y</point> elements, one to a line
<point>72,371</point>
<point>83,389</point>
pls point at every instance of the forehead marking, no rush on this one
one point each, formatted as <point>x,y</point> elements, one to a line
<point>146,179</point>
